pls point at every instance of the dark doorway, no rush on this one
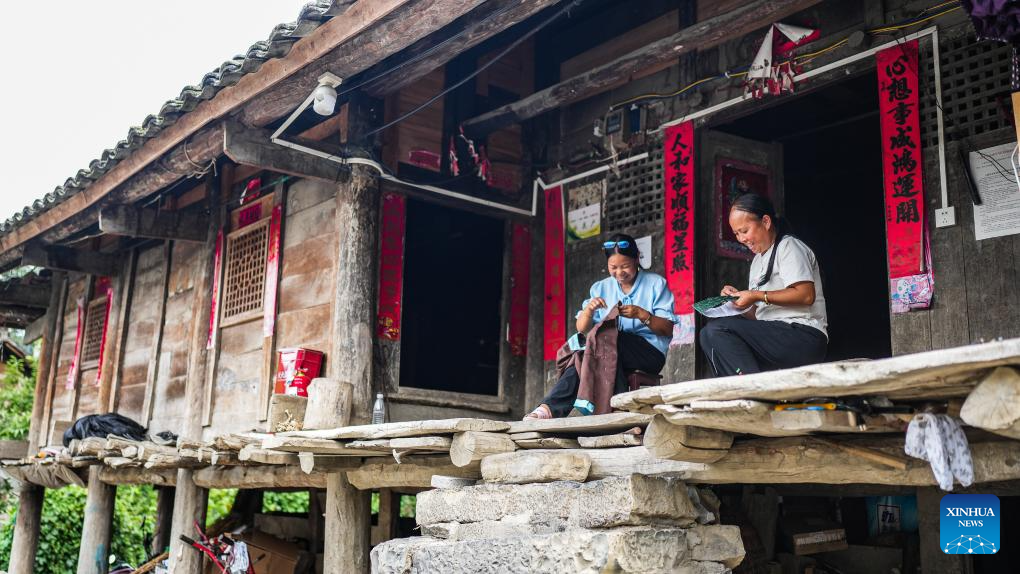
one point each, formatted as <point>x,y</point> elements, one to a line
<point>835,203</point>
<point>453,286</point>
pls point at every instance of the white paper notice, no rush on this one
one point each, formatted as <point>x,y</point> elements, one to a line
<point>999,212</point>
<point>727,309</point>
<point>644,245</point>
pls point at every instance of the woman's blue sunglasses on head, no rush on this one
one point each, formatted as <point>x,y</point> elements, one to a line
<point>620,244</point>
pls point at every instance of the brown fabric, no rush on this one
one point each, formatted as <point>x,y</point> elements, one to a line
<point>596,365</point>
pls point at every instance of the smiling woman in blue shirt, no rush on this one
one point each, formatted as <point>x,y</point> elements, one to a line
<point>646,311</point>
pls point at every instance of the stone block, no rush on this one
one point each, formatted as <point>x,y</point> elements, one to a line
<point>542,504</point>
<point>632,550</point>
<point>716,543</point>
<point>526,467</point>
<point>634,500</point>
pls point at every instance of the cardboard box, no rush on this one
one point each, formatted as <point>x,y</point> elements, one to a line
<point>269,554</point>
<point>810,535</point>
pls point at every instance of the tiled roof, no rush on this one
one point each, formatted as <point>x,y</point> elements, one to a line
<point>227,74</point>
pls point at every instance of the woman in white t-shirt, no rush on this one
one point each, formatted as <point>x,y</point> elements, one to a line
<point>785,323</point>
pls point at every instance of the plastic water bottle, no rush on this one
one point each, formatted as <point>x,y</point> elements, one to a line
<point>379,410</point>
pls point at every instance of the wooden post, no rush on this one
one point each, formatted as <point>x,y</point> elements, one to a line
<point>933,559</point>
<point>49,347</point>
<point>94,552</point>
<point>190,504</point>
<point>26,529</point>
<point>347,527</point>
<point>190,500</point>
<point>389,509</point>
<point>157,337</point>
<point>164,518</point>
<point>354,306</point>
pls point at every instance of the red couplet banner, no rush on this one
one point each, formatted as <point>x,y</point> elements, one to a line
<point>678,154</point>
<point>104,288</point>
<point>901,158</point>
<point>555,314</point>
<point>272,272</point>
<point>520,286</point>
<point>216,279</point>
<point>72,372</point>
<point>391,265</point>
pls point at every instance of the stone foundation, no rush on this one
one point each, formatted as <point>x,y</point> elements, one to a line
<point>635,524</point>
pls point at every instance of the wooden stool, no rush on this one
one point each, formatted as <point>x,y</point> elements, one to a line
<point>638,379</point>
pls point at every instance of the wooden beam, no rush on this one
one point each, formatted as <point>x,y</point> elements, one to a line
<point>137,475</point>
<point>607,423</point>
<point>803,460</point>
<point>251,146</point>
<point>701,36</point>
<point>469,447</point>
<point>68,259</point>
<point>18,295</point>
<point>13,449</point>
<point>944,373</point>
<point>153,223</point>
<point>17,317</point>
<point>468,31</point>
<point>412,472</point>
<point>34,330</point>
<point>258,477</point>
<point>48,354</point>
<point>404,429</point>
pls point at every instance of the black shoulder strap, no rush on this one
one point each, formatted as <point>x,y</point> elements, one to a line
<point>772,262</point>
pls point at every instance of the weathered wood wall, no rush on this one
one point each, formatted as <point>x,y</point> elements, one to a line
<point>168,410</point>
<point>62,398</point>
<point>143,323</point>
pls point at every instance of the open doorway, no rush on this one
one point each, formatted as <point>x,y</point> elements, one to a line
<point>833,198</point>
<point>453,287</point>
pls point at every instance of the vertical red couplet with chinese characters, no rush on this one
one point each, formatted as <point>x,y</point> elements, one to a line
<point>901,158</point>
<point>520,287</point>
<point>216,278</point>
<point>678,155</point>
<point>104,288</point>
<point>555,313</point>
<point>391,265</point>
<point>272,272</point>
<point>72,372</point>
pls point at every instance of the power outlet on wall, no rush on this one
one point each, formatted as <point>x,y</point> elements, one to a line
<point>945,217</point>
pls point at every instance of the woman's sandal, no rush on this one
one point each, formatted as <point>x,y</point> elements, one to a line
<point>541,412</point>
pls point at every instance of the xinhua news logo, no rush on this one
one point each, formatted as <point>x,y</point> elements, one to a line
<point>969,524</point>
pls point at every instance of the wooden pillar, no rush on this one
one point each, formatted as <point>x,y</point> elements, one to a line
<point>933,559</point>
<point>164,519</point>
<point>347,527</point>
<point>47,347</point>
<point>26,530</point>
<point>354,306</point>
<point>94,552</point>
<point>190,501</point>
<point>389,510</point>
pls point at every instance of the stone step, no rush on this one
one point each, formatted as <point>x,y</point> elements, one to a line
<point>611,502</point>
<point>642,549</point>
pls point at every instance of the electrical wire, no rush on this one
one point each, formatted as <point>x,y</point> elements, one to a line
<point>921,18</point>
<point>513,45</point>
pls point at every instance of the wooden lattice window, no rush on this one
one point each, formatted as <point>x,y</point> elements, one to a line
<point>635,194</point>
<point>244,278</point>
<point>95,323</point>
